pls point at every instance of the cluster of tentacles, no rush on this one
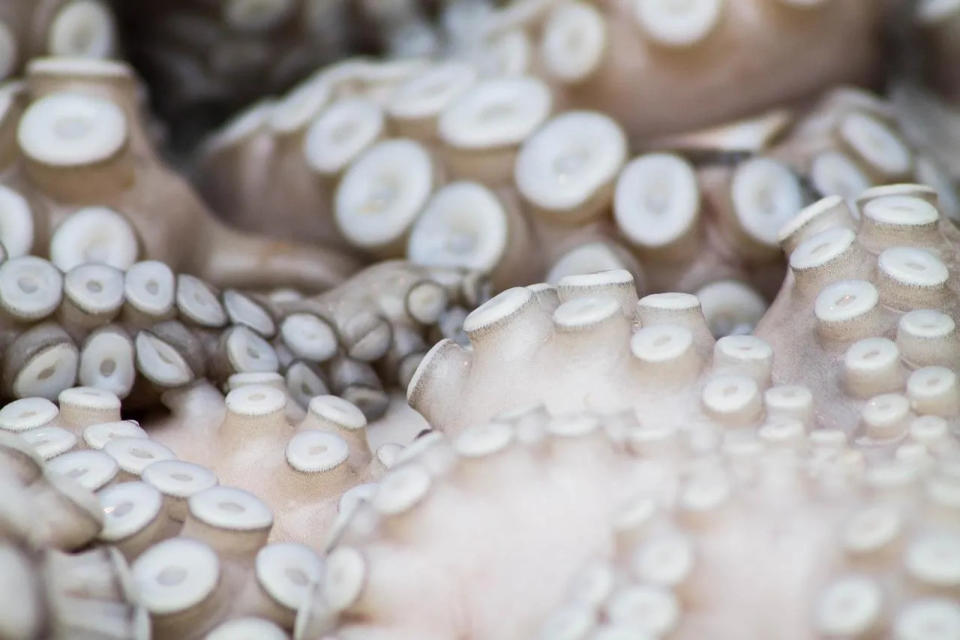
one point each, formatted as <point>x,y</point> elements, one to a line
<point>586,527</point>
<point>74,137</point>
<point>140,332</point>
<point>872,293</point>
<point>123,294</point>
<point>219,508</point>
<point>148,505</point>
<point>607,499</point>
<point>730,410</point>
<point>799,482</point>
<point>376,156</point>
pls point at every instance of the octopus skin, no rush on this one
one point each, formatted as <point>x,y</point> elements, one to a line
<point>219,541</point>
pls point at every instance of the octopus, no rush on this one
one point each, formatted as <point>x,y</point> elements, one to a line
<point>552,319</point>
